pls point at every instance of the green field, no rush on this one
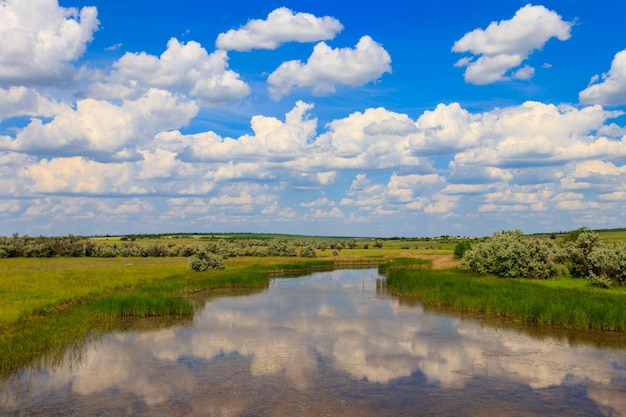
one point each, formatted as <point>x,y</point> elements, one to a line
<point>565,302</point>
<point>50,304</point>
<point>53,303</point>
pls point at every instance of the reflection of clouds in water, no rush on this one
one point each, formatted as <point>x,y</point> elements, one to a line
<point>287,331</point>
<point>612,400</point>
<point>130,369</point>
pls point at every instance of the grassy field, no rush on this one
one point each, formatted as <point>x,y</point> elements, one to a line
<point>49,304</point>
<point>565,302</point>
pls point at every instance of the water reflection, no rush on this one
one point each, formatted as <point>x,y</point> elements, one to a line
<point>328,343</point>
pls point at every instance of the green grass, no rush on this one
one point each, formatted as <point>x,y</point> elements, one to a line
<point>565,302</point>
<point>31,286</point>
<point>52,304</point>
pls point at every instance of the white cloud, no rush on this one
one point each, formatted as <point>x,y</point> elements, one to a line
<point>497,161</point>
<point>327,67</point>
<point>614,196</point>
<point>403,188</point>
<point>609,89</point>
<point>8,207</point>
<point>38,40</point>
<point>77,175</point>
<point>183,67</point>
<point>376,138</point>
<point>282,25</point>
<point>505,45</point>
<point>22,101</point>
<point>540,134</point>
<point>320,202</point>
<point>442,204</point>
<point>272,140</point>
<point>335,213</point>
<point>100,128</point>
<point>524,194</point>
<point>241,196</point>
<point>445,129</point>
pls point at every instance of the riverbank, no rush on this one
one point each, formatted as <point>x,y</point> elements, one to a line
<point>565,302</point>
<point>51,304</point>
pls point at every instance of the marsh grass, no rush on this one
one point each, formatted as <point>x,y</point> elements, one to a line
<point>567,303</point>
<point>52,305</point>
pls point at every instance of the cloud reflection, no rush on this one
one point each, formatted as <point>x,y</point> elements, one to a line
<point>301,329</point>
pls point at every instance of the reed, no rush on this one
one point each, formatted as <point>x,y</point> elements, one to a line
<point>571,306</point>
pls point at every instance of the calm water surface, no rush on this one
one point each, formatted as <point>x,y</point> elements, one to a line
<point>327,344</point>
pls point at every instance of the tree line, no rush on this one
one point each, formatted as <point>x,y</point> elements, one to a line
<point>77,246</point>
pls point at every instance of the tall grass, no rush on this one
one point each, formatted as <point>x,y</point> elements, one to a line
<point>55,304</point>
<point>571,307</point>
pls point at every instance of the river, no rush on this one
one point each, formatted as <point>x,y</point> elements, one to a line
<point>327,344</point>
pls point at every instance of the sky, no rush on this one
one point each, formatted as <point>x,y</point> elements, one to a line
<point>319,118</point>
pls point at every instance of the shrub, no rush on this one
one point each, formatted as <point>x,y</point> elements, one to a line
<point>509,254</point>
<point>578,251</point>
<point>205,261</point>
<point>282,248</point>
<point>461,248</point>
<point>607,264</point>
<point>104,251</point>
<point>308,252</point>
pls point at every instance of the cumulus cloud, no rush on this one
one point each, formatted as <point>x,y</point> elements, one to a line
<point>320,202</point>
<point>271,140</point>
<point>500,161</point>
<point>505,45</point>
<point>38,40</point>
<point>183,67</point>
<point>403,188</point>
<point>375,138</point>
<point>608,89</point>
<point>539,134</point>
<point>22,101</point>
<point>327,67</point>
<point>282,25</point>
<point>102,129</point>
<point>77,175</point>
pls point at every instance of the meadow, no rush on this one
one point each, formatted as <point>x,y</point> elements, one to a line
<point>54,302</point>
<point>563,301</point>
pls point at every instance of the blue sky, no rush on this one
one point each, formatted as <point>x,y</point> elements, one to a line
<point>377,119</point>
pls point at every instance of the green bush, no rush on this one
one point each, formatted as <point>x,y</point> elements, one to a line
<point>509,254</point>
<point>602,264</point>
<point>204,260</point>
<point>461,248</point>
<point>579,250</point>
<point>308,252</point>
